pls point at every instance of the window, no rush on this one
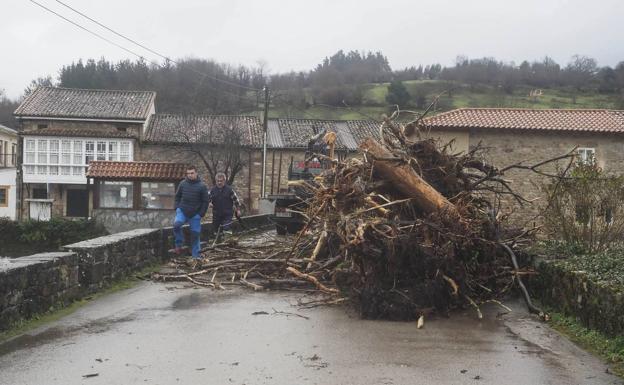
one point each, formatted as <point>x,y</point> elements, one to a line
<point>40,126</point>
<point>89,152</point>
<point>54,151</point>
<point>4,196</point>
<point>101,150</point>
<point>14,154</point>
<point>112,151</point>
<point>42,151</point>
<point>66,152</point>
<point>29,170</point>
<point>159,195</point>
<point>39,193</point>
<point>78,152</point>
<point>586,155</point>
<point>116,194</point>
<point>30,151</point>
<point>124,151</point>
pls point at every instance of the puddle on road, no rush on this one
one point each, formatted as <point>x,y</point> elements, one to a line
<point>49,335</point>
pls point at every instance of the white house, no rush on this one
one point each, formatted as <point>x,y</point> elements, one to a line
<point>8,155</point>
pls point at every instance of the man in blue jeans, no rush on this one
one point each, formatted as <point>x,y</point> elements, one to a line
<point>191,202</point>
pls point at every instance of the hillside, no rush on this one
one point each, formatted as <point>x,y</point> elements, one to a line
<point>422,92</point>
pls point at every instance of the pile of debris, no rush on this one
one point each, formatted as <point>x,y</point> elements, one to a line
<point>405,229</point>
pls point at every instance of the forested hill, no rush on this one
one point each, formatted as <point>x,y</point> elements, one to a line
<point>351,85</point>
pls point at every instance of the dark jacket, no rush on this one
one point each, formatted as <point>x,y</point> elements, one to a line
<point>192,197</point>
<point>223,199</point>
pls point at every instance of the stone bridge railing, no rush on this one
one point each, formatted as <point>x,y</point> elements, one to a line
<point>33,285</point>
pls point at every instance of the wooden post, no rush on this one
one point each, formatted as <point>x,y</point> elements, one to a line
<point>405,180</point>
<point>279,175</point>
<point>272,171</point>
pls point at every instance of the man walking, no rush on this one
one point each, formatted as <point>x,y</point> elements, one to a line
<point>223,199</point>
<point>191,202</point>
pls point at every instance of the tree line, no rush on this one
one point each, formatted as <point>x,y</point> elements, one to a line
<point>206,86</point>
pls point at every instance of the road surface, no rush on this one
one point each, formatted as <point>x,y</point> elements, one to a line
<point>173,333</point>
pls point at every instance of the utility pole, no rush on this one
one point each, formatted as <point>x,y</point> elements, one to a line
<point>265,126</point>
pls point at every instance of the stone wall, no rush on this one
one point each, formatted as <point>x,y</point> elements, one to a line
<point>32,285</point>
<point>108,258</point>
<point>597,305</point>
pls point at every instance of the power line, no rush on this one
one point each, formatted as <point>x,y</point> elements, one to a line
<point>204,75</point>
<point>87,30</point>
<point>151,50</point>
<point>134,42</point>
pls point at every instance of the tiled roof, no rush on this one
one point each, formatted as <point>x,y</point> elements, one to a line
<point>211,129</point>
<point>136,170</point>
<point>52,102</point>
<point>362,129</point>
<point>282,133</point>
<point>530,119</point>
<point>79,131</point>
<point>296,133</point>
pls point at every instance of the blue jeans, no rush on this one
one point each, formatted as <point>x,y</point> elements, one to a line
<point>195,225</point>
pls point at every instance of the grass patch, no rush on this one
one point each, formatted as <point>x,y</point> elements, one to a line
<point>609,349</point>
<point>55,314</point>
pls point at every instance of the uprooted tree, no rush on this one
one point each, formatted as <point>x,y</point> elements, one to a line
<point>403,230</point>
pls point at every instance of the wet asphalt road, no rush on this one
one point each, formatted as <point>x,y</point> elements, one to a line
<point>176,334</point>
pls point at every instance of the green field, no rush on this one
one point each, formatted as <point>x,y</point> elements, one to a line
<point>374,103</point>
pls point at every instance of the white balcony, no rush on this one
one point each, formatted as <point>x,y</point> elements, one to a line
<point>65,160</point>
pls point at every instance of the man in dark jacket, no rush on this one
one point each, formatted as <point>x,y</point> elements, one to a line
<point>224,200</point>
<point>191,202</point>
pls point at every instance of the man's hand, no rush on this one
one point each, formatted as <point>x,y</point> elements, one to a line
<point>238,212</point>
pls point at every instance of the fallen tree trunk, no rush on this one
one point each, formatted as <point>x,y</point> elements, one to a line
<point>405,180</point>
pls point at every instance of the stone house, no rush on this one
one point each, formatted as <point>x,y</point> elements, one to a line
<point>8,161</point>
<point>61,130</point>
<point>529,136</point>
<point>181,138</point>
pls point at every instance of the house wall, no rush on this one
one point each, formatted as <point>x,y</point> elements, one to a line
<point>248,183</point>
<point>7,179</point>
<point>100,129</point>
<point>56,192</point>
<point>510,147</point>
<point>459,140</point>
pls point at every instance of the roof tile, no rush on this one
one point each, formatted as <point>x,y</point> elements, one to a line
<point>530,119</point>
<point>177,128</point>
<point>53,102</point>
<point>137,170</point>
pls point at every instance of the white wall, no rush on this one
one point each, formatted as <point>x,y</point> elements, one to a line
<point>7,178</point>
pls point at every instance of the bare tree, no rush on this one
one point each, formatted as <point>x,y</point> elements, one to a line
<point>216,141</point>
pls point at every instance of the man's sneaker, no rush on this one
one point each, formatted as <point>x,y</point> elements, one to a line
<point>178,251</point>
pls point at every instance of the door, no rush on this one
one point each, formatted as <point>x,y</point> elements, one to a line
<point>77,203</point>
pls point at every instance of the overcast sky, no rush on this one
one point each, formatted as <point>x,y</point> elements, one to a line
<point>297,35</point>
